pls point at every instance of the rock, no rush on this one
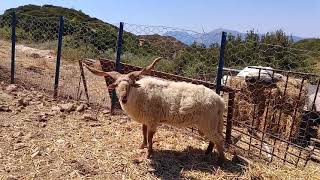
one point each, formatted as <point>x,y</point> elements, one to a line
<point>24,101</point>
<point>67,107</point>
<point>60,141</point>
<point>42,124</point>
<point>34,102</point>
<point>35,154</point>
<point>40,105</point>
<point>106,112</point>
<point>28,136</point>
<point>28,99</point>
<point>39,96</point>
<point>5,108</point>
<point>20,102</point>
<point>19,146</point>
<point>137,160</point>
<point>122,121</point>
<point>56,108</point>
<point>11,88</point>
<point>35,55</point>
<point>17,134</point>
<point>51,113</point>
<point>89,117</point>
<point>63,116</point>
<point>5,125</point>
<point>80,108</point>
<point>42,117</point>
<point>11,177</point>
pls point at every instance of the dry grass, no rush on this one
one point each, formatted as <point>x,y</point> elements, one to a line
<point>271,97</point>
<point>37,69</point>
<point>68,147</point>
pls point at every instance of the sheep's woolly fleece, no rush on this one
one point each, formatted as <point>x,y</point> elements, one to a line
<point>178,104</point>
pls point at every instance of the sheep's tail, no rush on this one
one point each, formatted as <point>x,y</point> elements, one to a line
<point>220,118</point>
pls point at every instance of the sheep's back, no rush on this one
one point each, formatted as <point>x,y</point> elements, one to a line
<point>176,103</point>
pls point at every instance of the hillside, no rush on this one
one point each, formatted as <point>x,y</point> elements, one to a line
<point>83,34</point>
<point>53,11</point>
<point>211,37</point>
<point>308,44</point>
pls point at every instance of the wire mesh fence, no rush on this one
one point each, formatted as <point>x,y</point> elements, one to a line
<point>272,107</point>
<point>182,56</point>
<point>85,40</point>
<point>5,45</point>
<point>36,43</point>
<point>275,111</point>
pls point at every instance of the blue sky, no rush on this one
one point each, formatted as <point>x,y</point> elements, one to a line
<point>297,17</point>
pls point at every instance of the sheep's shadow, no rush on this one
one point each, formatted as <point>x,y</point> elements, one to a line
<point>168,164</point>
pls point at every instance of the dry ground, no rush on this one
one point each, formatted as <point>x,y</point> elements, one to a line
<point>39,142</point>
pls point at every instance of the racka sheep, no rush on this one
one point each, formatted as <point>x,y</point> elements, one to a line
<point>153,101</point>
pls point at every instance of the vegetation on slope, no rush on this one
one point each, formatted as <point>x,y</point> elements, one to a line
<point>312,44</point>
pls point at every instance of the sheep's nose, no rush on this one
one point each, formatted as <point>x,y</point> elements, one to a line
<point>124,99</point>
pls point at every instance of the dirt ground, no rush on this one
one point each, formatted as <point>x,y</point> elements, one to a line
<point>43,138</point>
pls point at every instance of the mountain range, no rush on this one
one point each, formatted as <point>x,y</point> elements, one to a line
<point>209,37</point>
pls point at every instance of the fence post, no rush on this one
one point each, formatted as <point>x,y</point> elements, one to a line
<point>13,45</point>
<point>218,87</point>
<point>117,68</point>
<point>56,80</point>
<point>221,63</point>
<point>83,80</point>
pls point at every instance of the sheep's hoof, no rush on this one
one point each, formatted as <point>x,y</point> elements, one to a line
<point>209,149</point>
<point>143,145</point>
<point>149,154</point>
<point>221,160</point>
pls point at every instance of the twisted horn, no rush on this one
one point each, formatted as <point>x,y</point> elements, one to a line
<point>113,74</point>
<point>135,74</point>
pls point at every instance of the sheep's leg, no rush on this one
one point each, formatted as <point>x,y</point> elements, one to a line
<point>150,136</point>
<point>219,142</point>
<point>210,148</point>
<point>144,132</point>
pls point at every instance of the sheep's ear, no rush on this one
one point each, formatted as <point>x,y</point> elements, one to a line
<point>112,86</point>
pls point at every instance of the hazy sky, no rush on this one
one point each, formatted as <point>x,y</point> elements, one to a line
<point>297,17</point>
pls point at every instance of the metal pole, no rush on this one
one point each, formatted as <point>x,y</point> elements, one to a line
<point>221,63</point>
<point>229,117</point>
<point>13,45</point>
<point>117,68</point>
<point>84,80</point>
<point>56,80</point>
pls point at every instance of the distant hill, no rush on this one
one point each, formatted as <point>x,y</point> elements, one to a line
<point>82,29</point>
<point>166,45</point>
<point>210,37</point>
<point>53,11</point>
<point>312,44</point>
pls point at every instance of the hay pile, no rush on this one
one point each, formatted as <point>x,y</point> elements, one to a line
<point>268,106</point>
